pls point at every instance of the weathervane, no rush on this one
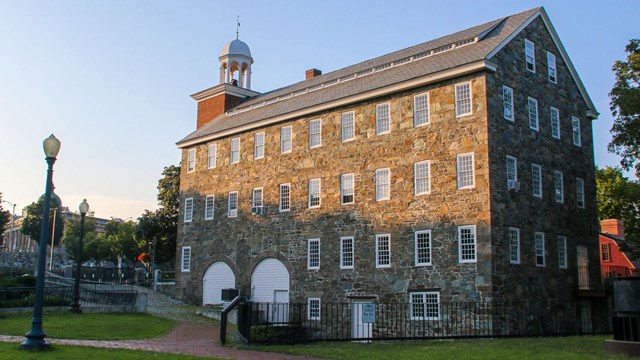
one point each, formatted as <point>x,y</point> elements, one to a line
<point>238,26</point>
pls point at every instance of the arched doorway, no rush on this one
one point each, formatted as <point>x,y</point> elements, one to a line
<point>270,288</point>
<point>217,277</point>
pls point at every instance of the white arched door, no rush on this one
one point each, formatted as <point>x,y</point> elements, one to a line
<point>217,277</point>
<point>270,287</point>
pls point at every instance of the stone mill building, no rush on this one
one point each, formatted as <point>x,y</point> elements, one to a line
<point>459,169</point>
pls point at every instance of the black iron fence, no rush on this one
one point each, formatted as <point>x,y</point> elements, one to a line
<point>103,274</point>
<point>303,322</point>
<point>16,297</point>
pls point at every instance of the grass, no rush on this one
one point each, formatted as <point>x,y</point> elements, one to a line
<point>565,348</point>
<point>64,325</point>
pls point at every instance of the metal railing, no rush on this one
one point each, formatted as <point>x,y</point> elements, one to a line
<point>61,295</point>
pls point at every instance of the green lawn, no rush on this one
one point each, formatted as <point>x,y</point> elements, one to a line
<point>564,348</point>
<point>58,352</point>
<point>64,325</point>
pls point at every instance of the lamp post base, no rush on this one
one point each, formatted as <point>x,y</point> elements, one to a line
<point>35,338</point>
<point>75,308</point>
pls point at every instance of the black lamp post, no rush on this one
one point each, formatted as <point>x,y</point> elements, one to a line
<point>75,305</point>
<point>35,336</point>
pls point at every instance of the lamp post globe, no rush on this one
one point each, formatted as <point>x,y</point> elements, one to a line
<point>75,304</point>
<point>35,337</point>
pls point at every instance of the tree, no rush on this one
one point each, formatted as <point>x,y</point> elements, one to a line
<point>32,222</point>
<point>619,198</point>
<point>5,218</point>
<point>72,239</point>
<point>625,107</point>
<point>122,243</point>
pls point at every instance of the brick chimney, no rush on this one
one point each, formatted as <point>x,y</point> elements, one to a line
<point>613,227</point>
<point>217,100</point>
<point>311,73</point>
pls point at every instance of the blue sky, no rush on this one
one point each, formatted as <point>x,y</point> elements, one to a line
<point>112,79</point>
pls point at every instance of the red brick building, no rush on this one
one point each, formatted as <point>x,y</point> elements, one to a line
<point>614,261</point>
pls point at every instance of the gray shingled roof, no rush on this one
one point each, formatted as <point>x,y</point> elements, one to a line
<point>490,35</point>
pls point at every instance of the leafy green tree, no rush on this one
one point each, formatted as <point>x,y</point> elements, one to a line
<point>625,107</point>
<point>619,198</point>
<point>72,239</point>
<point>32,222</point>
<point>5,218</point>
<point>122,243</point>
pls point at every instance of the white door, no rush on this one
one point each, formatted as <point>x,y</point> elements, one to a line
<point>280,312</point>
<point>217,277</point>
<point>270,288</point>
<point>359,328</point>
<point>583,268</point>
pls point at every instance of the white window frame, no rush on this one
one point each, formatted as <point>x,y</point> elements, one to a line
<point>422,178</point>
<point>347,256</point>
<point>462,256</point>
<point>311,193</point>
<point>514,245</point>
<point>233,212</point>
<point>575,131</point>
<point>382,185</point>
<point>580,193</point>
<point>421,109</point>
<point>188,210</point>
<point>212,154</point>
<point>315,136</point>
<point>558,186</point>
<point>191,160</point>
<point>426,307</point>
<point>460,102</point>
<point>380,253</point>
<point>286,143</point>
<point>348,126</point>
<point>536,180</point>
<point>258,145</point>
<point>551,66</point>
<point>420,248</point>
<point>507,103</point>
<point>345,190</point>
<point>314,305</point>
<point>313,259</point>
<point>383,119</point>
<point>605,250</point>
<point>234,151</point>
<point>257,201</point>
<point>186,259</point>
<point>530,55</point>
<point>461,173</point>
<point>539,249</point>
<point>554,114</point>
<point>511,169</point>
<point>209,207</point>
<point>532,110</point>
<point>562,252</point>
<point>282,196</point>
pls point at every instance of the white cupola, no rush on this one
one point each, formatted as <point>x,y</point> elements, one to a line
<point>235,64</point>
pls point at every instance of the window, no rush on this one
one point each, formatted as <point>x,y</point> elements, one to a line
<point>313,306</point>
<point>512,172</point>
<point>559,186</point>
<point>211,156</point>
<point>383,251</point>
<point>420,110</point>
<point>314,193</point>
<point>186,258</point>
<point>514,245</point>
<point>421,178</point>
<point>533,113</point>
<point>575,127</point>
<point>188,209</point>
<point>258,145</point>
<point>315,133</point>
<point>348,126</point>
<point>465,171</point>
<point>463,99</point>
<point>313,254</point>
<point>346,189</point>
<point>383,184</point>
<point>423,247</point>
<point>536,180</point>
<point>346,252</point>
<point>424,305</point>
<point>467,243</point>
<point>285,139</point>
<point>209,207</point>
<point>562,251</point>
<point>551,65</point>
<point>383,125</point>
<point>256,200</point>
<point>191,160</point>
<point>606,252</point>
<point>580,192</point>
<point>234,155</point>
<point>507,101</point>
<point>529,54</point>
<point>539,243</point>
<point>233,204</point>
<point>555,123</point>
<point>285,200</point>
